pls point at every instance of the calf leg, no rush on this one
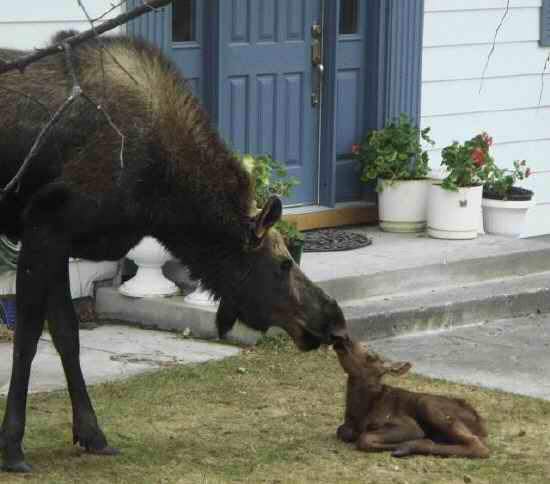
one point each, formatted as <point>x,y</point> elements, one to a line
<point>465,444</point>
<point>31,298</point>
<point>389,437</point>
<point>63,325</point>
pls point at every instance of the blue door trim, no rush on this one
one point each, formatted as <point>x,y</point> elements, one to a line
<point>394,60</point>
<point>545,24</point>
<point>327,174</point>
<point>211,24</point>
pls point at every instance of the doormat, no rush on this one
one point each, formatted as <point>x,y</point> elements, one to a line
<point>332,240</point>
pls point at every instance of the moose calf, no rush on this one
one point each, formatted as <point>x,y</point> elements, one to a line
<point>381,417</point>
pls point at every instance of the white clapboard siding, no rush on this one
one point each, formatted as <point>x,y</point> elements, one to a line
<point>448,5</point>
<point>53,11</point>
<point>26,24</point>
<point>478,26</point>
<point>493,94</point>
<point>468,61</point>
<point>504,126</point>
<point>457,39</point>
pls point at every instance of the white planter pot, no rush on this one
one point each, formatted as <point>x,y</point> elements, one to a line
<point>403,205</point>
<point>149,281</point>
<point>454,215</point>
<point>505,217</point>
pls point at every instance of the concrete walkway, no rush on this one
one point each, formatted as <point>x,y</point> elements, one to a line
<point>511,355</point>
<point>110,353</point>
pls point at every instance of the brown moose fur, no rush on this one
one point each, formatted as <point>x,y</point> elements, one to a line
<point>178,182</point>
<point>381,417</point>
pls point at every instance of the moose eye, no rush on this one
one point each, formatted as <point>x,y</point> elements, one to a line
<point>286,265</point>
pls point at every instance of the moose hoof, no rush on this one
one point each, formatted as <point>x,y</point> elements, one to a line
<point>107,450</point>
<point>20,467</point>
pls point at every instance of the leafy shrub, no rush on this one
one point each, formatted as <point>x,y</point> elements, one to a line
<point>394,152</point>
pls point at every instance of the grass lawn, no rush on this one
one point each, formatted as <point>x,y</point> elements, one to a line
<point>267,415</point>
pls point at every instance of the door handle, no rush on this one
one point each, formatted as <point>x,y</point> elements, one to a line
<point>317,62</point>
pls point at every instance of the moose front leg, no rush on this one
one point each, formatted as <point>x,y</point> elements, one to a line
<point>31,301</point>
<point>63,325</point>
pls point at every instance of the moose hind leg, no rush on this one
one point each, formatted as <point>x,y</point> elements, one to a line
<point>31,302</point>
<point>460,442</point>
<point>63,325</point>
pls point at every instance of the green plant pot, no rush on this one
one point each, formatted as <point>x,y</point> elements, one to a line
<point>296,247</point>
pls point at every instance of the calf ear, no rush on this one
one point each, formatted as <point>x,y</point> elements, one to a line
<point>271,213</point>
<point>399,368</point>
<point>225,318</point>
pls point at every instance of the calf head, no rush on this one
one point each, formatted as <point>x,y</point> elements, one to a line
<point>367,367</point>
<point>273,291</point>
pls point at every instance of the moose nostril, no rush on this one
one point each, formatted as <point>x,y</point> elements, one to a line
<point>340,337</point>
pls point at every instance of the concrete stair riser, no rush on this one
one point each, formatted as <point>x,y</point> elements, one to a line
<point>368,320</point>
<point>171,314</point>
<point>437,275</point>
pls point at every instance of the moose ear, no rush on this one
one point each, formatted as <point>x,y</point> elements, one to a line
<point>399,368</point>
<point>225,318</point>
<point>269,216</point>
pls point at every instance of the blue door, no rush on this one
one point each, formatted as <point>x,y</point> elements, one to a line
<point>267,98</point>
<point>284,77</point>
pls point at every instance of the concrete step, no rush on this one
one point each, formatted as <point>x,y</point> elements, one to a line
<point>401,283</point>
<point>437,268</point>
<point>170,313</point>
<point>444,308</point>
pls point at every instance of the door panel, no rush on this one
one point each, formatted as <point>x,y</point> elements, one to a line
<point>350,92</point>
<point>265,84</point>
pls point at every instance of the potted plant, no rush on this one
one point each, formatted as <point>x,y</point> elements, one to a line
<point>270,178</point>
<point>394,156</point>
<point>504,204</point>
<point>454,208</point>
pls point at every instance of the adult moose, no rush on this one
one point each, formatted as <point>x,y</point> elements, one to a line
<point>178,183</point>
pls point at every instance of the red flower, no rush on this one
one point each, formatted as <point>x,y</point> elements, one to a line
<point>527,172</point>
<point>355,149</point>
<point>488,140</point>
<point>478,155</point>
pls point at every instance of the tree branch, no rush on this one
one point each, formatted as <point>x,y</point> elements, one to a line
<point>75,94</point>
<point>493,45</point>
<point>22,62</point>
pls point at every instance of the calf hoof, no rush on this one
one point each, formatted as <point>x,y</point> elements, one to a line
<point>20,467</point>
<point>401,452</point>
<point>346,433</point>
